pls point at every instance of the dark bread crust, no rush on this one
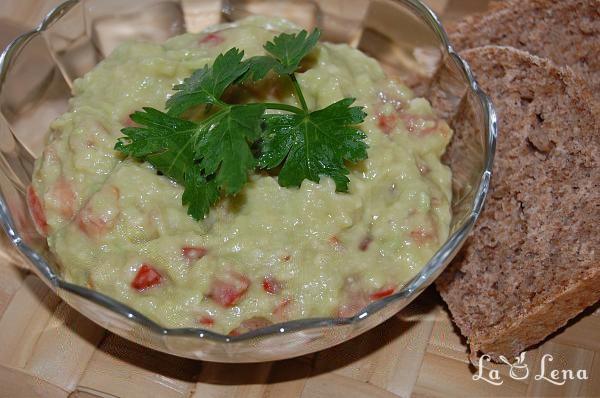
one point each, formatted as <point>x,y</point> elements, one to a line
<point>565,31</point>
<point>532,261</point>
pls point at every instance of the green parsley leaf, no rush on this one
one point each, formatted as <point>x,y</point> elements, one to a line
<point>314,144</point>
<point>199,195</point>
<point>259,66</point>
<point>224,149</point>
<point>215,149</point>
<point>290,49</point>
<point>164,141</point>
<point>168,144</point>
<point>206,85</point>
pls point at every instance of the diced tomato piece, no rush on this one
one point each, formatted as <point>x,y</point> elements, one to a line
<point>282,311</point>
<point>95,224</point>
<point>248,325</point>
<point>384,292</point>
<point>364,244</point>
<point>228,289</point>
<point>354,297</point>
<point>212,39</point>
<point>90,225</point>
<point>272,285</point>
<point>423,236</point>
<point>63,196</point>
<point>37,211</point>
<point>335,242</point>
<point>354,301</point>
<point>387,123</point>
<point>127,122</point>
<point>193,253</point>
<point>206,320</point>
<point>146,277</point>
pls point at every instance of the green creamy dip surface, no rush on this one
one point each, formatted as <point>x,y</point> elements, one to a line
<point>269,254</point>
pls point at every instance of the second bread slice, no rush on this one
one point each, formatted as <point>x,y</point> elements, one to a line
<point>532,261</point>
<point>565,31</point>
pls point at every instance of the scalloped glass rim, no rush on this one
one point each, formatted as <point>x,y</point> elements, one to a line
<point>411,289</point>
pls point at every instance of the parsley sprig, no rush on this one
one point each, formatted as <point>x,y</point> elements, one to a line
<point>215,155</point>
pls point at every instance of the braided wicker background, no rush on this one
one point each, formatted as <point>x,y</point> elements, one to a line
<point>49,350</point>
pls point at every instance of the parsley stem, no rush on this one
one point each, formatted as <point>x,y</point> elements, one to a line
<point>283,107</point>
<point>299,92</point>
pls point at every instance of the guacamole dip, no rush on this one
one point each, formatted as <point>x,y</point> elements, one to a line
<point>269,254</point>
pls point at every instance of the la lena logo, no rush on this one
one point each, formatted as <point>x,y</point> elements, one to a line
<point>519,370</point>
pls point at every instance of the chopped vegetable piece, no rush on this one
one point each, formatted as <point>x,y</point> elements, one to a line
<point>146,277</point>
<point>95,224</point>
<point>353,303</point>
<point>272,285</point>
<point>206,320</point>
<point>37,211</point>
<point>282,311</point>
<point>387,123</point>
<point>365,243</point>
<point>229,289</point>
<point>248,325</point>
<point>422,236</point>
<point>62,195</point>
<point>193,253</point>
<point>335,242</point>
<point>354,297</point>
<point>382,293</point>
<point>212,39</point>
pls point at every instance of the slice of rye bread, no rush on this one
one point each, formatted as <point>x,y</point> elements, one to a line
<point>565,31</point>
<point>532,261</point>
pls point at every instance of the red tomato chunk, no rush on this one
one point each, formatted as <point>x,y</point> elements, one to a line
<point>381,293</point>
<point>227,290</point>
<point>282,311</point>
<point>94,223</point>
<point>353,302</point>
<point>206,320</point>
<point>62,193</point>
<point>192,253</point>
<point>36,210</point>
<point>364,244</point>
<point>423,236</point>
<point>335,242</point>
<point>387,123</point>
<point>146,277</point>
<point>251,324</point>
<point>272,285</point>
<point>212,39</point>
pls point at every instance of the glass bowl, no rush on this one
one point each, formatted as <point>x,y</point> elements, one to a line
<point>36,74</point>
